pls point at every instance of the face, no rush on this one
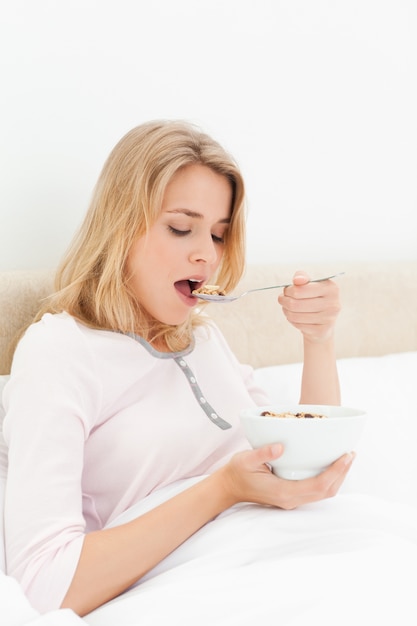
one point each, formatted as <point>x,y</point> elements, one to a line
<point>184,247</point>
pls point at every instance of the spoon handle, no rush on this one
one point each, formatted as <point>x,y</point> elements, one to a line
<point>314,280</point>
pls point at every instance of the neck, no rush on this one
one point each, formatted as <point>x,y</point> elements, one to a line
<point>159,344</point>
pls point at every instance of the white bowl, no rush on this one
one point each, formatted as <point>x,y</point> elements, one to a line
<point>310,445</point>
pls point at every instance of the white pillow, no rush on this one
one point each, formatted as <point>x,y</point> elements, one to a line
<point>3,473</point>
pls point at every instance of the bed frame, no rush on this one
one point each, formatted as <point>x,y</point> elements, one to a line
<point>379,311</point>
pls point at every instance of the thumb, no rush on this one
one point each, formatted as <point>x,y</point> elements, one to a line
<point>268,453</point>
<point>301,278</point>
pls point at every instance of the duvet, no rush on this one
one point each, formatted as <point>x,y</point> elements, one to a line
<point>348,560</point>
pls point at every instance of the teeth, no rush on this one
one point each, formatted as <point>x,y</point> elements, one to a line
<point>193,280</point>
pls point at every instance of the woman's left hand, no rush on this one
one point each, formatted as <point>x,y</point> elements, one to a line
<point>312,308</point>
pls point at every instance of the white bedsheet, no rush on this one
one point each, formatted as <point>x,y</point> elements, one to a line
<point>348,560</point>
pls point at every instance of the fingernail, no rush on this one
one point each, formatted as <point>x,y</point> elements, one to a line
<point>349,458</point>
<point>276,449</point>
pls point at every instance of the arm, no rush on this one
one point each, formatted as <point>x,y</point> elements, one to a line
<point>49,546</point>
<point>312,308</point>
<point>114,558</point>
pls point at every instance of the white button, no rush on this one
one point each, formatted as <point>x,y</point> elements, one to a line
<point>214,416</point>
<point>203,400</point>
<point>192,379</point>
<point>183,363</point>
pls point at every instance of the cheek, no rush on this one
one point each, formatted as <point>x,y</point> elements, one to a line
<point>136,265</point>
<point>131,266</point>
<point>142,254</point>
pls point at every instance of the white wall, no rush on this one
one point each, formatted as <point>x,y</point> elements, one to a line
<point>316,99</point>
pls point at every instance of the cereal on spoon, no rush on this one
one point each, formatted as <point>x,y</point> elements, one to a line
<point>209,290</point>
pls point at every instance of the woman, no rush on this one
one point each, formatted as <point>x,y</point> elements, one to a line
<point>122,385</point>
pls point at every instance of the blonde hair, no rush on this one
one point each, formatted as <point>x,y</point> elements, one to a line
<point>91,282</point>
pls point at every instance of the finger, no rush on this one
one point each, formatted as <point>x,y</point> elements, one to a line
<point>261,457</point>
<point>300,278</point>
<point>311,298</point>
<point>330,480</point>
<point>325,485</point>
<point>310,318</point>
<point>266,454</point>
<point>342,467</point>
<point>310,289</point>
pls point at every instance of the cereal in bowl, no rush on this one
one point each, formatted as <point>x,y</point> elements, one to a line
<point>297,415</point>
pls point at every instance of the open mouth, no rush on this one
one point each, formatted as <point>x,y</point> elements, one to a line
<point>186,287</point>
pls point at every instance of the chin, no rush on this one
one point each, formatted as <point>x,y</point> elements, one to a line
<point>174,320</point>
<point>177,322</point>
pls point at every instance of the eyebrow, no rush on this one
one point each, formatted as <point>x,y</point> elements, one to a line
<point>196,215</point>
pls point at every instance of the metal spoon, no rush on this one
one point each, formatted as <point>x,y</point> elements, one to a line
<point>216,298</point>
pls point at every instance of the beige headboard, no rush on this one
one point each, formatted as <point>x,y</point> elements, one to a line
<point>379,311</point>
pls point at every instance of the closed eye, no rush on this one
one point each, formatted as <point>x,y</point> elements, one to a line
<point>178,233</point>
<point>183,233</point>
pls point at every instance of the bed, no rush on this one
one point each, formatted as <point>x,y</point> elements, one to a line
<point>351,559</point>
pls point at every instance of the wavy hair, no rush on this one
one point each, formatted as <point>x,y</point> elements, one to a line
<point>91,283</point>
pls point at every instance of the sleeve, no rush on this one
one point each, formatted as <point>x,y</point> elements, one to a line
<point>51,401</point>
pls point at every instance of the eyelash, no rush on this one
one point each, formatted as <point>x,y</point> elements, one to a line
<point>184,233</point>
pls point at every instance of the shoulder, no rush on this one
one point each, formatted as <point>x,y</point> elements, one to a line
<point>53,367</point>
<point>52,325</point>
<point>62,330</point>
<point>61,340</point>
<point>53,334</point>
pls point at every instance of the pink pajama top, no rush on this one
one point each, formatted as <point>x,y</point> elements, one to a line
<point>95,421</point>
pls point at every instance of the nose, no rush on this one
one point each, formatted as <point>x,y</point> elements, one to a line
<point>204,251</point>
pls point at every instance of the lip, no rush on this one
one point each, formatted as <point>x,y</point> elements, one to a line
<point>198,278</point>
<point>184,290</point>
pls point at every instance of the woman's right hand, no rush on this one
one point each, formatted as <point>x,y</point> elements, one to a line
<point>248,478</point>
